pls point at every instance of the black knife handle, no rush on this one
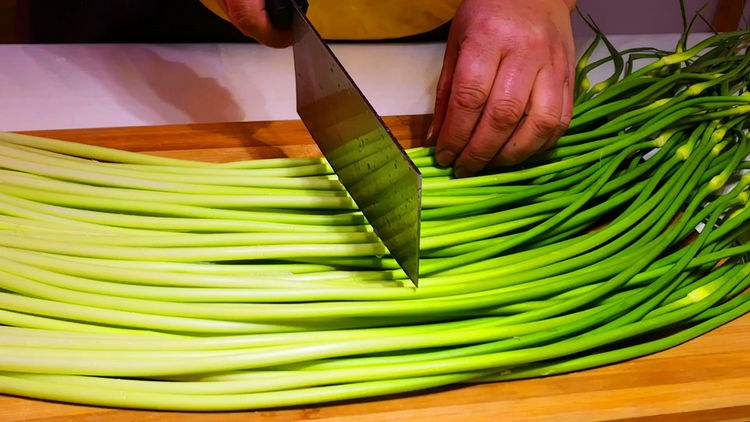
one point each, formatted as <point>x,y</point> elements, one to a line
<point>280,11</point>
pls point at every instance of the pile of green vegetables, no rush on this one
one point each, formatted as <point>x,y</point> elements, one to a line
<point>140,281</point>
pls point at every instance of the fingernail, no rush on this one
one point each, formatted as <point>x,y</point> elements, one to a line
<point>460,172</point>
<point>428,137</point>
<point>445,157</point>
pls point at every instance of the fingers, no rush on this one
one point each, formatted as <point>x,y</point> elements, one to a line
<point>567,99</point>
<point>493,111</point>
<point>250,17</point>
<point>471,83</point>
<point>443,87</point>
<point>504,109</point>
<point>542,122</point>
<point>565,116</point>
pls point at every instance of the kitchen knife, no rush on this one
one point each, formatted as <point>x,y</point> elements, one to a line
<point>376,172</point>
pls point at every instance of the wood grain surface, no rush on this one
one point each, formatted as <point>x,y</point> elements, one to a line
<point>706,379</point>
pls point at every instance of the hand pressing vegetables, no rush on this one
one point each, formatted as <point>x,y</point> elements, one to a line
<point>506,88</point>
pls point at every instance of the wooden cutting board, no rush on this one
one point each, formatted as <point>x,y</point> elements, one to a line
<point>707,379</point>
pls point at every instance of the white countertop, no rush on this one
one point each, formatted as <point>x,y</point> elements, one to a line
<point>75,86</point>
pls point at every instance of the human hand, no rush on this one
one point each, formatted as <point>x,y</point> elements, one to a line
<point>250,17</point>
<point>506,88</point>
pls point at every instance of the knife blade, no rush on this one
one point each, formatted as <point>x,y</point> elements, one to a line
<point>373,167</point>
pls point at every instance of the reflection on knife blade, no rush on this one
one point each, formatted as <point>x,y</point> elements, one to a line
<point>372,166</point>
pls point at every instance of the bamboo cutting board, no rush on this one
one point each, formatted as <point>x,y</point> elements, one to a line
<point>706,379</point>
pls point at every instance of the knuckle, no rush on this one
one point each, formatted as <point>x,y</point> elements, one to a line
<point>469,96</point>
<point>452,140</point>
<point>518,150</point>
<point>544,123</point>
<point>473,43</point>
<point>504,114</point>
<point>511,157</point>
<point>477,157</point>
<point>506,159</point>
<point>524,151</point>
<point>536,38</point>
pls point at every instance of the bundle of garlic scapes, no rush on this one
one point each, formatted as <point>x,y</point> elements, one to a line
<point>139,281</point>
